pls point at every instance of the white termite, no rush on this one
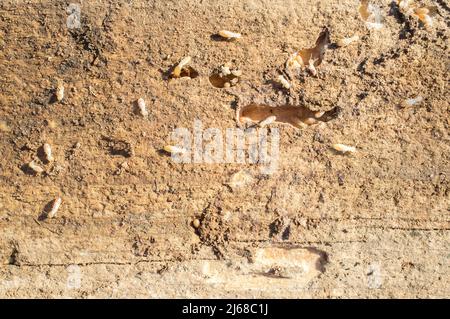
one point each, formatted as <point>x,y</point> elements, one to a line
<point>427,20</point>
<point>284,82</point>
<point>54,208</point>
<point>177,70</point>
<point>60,92</point>
<point>174,149</point>
<point>311,67</point>
<point>48,152</point>
<point>229,35</point>
<point>225,70</point>
<point>142,107</point>
<point>35,167</point>
<point>344,148</point>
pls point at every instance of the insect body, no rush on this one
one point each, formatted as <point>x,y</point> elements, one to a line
<point>229,35</point>
<point>54,208</point>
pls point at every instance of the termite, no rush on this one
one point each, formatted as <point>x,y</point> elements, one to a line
<point>174,149</point>
<point>60,92</point>
<point>225,70</point>
<point>311,67</point>
<point>54,209</point>
<point>177,70</point>
<point>234,81</point>
<point>35,167</point>
<point>229,35</point>
<point>424,15</point>
<point>344,148</point>
<point>284,82</point>
<point>142,107</point>
<point>48,152</point>
<point>426,19</point>
<point>347,41</point>
<point>295,61</point>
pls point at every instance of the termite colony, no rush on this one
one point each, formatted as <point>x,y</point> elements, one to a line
<point>307,60</point>
<point>226,76</point>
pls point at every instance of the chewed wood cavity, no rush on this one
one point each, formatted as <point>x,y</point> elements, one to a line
<point>297,116</point>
